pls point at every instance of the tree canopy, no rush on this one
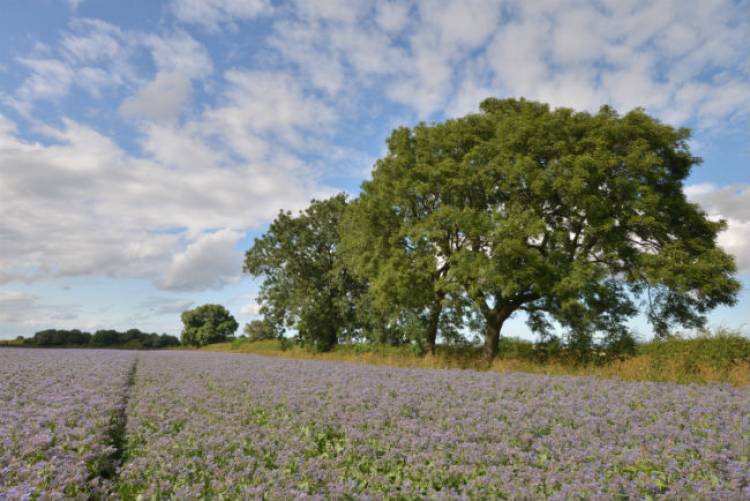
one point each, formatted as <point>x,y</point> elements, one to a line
<point>210,323</point>
<point>574,218</point>
<point>579,220</point>
<point>305,286</point>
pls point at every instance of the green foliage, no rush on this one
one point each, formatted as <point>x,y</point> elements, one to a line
<point>132,339</point>
<point>516,348</point>
<point>398,236</point>
<point>721,350</point>
<point>284,344</point>
<point>619,346</point>
<point>584,348</point>
<point>306,286</point>
<point>106,338</point>
<point>58,337</point>
<point>573,218</point>
<point>259,330</point>
<point>210,323</point>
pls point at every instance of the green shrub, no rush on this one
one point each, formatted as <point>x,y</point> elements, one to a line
<point>517,348</point>
<point>720,349</point>
<point>285,343</point>
<point>548,349</point>
<point>260,330</point>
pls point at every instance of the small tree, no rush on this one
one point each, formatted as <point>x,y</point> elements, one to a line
<point>260,330</point>
<point>306,287</point>
<point>210,323</point>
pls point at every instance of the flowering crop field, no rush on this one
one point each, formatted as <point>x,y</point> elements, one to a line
<point>204,425</point>
<point>224,426</point>
<point>57,412</point>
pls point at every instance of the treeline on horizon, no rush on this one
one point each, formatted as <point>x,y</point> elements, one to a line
<point>103,338</point>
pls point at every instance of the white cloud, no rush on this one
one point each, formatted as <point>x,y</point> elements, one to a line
<point>736,241</point>
<point>680,61</point>
<point>180,53</point>
<point>303,45</point>
<point>576,36</point>
<point>93,55</point>
<point>49,78</point>
<point>250,309</point>
<point>15,297</point>
<point>440,47</point>
<point>180,147</point>
<point>731,203</point>
<point>339,11</point>
<point>179,60</point>
<point>93,80</point>
<point>516,55</point>
<point>467,97</point>
<point>94,40</point>
<point>263,104</point>
<point>211,261</point>
<point>161,99</point>
<point>338,57</point>
<point>211,13</point>
<point>167,306</point>
<point>458,24</point>
<point>392,17</point>
<point>21,311</point>
<point>7,127</point>
<point>83,206</point>
<point>580,54</point>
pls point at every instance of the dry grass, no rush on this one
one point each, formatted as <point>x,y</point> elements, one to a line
<point>646,367</point>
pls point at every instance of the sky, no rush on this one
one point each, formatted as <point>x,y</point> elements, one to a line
<point>144,144</point>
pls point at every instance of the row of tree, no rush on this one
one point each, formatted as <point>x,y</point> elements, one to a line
<point>578,220</point>
<point>108,338</point>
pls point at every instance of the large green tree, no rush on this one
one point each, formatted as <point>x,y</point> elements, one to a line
<point>400,235</point>
<point>574,218</point>
<point>305,285</point>
<point>210,323</point>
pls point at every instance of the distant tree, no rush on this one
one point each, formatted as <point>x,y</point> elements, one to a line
<point>106,337</point>
<point>44,338</point>
<point>210,323</point>
<point>573,218</point>
<point>78,337</point>
<point>305,285</point>
<point>58,337</point>
<point>260,330</point>
<point>166,340</point>
<point>132,338</point>
<point>132,334</point>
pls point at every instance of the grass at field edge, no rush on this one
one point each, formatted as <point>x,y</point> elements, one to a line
<point>683,361</point>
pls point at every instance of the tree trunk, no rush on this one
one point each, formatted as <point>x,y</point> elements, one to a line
<point>491,338</point>
<point>433,321</point>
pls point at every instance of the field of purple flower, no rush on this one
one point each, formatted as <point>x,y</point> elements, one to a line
<point>205,425</point>
<point>57,410</point>
<point>223,426</point>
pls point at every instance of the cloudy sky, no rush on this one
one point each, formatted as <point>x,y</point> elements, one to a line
<point>144,144</point>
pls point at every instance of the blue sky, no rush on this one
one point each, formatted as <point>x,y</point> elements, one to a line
<point>144,144</point>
